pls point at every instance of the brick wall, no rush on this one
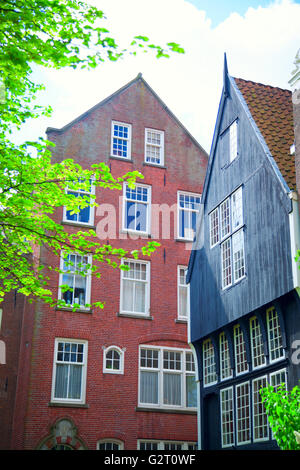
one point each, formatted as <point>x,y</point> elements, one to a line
<point>112,400</point>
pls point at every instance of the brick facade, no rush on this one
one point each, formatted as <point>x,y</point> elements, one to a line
<point>111,409</point>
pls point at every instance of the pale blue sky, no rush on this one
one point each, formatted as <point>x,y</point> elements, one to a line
<point>260,37</point>
<point>219,10</point>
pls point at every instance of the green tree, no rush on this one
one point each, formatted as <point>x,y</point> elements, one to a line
<point>283,410</point>
<point>49,33</point>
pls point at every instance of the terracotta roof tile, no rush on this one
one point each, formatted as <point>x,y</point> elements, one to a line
<point>272,110</point>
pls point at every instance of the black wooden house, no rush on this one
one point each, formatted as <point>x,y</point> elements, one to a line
<point>245,307</point>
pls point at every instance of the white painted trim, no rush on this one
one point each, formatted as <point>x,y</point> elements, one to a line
<point>187,286</point>
<point>83,373</point>
<point>148,289</point>
<point>186,193</point>
<point>120,352</point>
<point>294,221</point>
<point>161,146</point>
<point>113,122</point>
<point>92,208</point>
<point>88,282</point>
<point>252,394</point>
<point>148,204</point>
<point>160,371</point>
<point>236,412</point>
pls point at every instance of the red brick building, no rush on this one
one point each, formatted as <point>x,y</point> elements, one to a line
<point>123,376</point>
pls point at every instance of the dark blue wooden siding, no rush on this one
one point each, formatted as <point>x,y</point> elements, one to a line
<point>266,207</point>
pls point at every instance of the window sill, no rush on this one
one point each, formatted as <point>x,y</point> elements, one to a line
<point>184,240</point>
<point>78,224</point>
<point>166,410</point>
<point>68,405</point>
<point>163,167</point>
<point>181,320</point>
<point>135,233</point>
<point>134,315</point>
<point>122,159</point>
<point>77,310</point>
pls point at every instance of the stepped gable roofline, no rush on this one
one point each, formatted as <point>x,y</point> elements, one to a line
<point>139,77</point>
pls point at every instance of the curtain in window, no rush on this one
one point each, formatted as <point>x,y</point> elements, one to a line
<point>134,294</point>
<point>149,387</point>
<point>172,389</point>
<point>68,381</point>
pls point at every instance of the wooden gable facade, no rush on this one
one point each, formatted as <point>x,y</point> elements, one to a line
<point>245,309</point>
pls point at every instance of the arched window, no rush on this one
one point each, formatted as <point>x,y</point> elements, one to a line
<point>113,360</point>
<point>110,444</point>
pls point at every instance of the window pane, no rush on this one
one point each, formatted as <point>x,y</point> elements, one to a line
<point>227,420</point>
<point>226,263</point>
<point>238,255</point>
<point>75,382</point>
<point>127,296</point>
<point>260,420</point>
<point>225,218</point>
<point>191,391</point>
<point>140,293</point>
<point>274,335</point>
<point>243,413</point>
<point>149,387</point>
<point>61,381</point>
<point>237,209</point>
<point>172,389</point>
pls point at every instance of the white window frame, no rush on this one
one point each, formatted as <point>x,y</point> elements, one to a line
<point>81,400</point>
<point>238,260</point>
<point>160,370</point>
<point>257,345</point>
<point>239,342</point>
<point>92,208</point>
<point>187,230</point>
<point>107,370</point>
<point>214,227</point>
<point>256,394</point>
<point>237,215</point>
<point>225,363</point>
<point>181,286</point>
<point>274,374</point>
<point>117,442</point>
<point>227,408</point>
<point>225,218</point>
<point>88,282</point>
<point>237,419</point>
<point>147,204</point>
<point>154,444</point>
<point>147,288</point>
<point>233,141</point>
<point>226,263</point>
<point>160,146</point>
<point>270,340</point>
<point>127,139</point>
<point>209,363</point>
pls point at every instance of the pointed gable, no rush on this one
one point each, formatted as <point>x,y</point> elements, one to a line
<point>271,109</point>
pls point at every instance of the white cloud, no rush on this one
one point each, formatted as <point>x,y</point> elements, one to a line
<point>260,46</point>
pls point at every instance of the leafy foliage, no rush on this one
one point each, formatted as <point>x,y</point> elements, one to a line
<point>49,33</point>
<point>283,410</point>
